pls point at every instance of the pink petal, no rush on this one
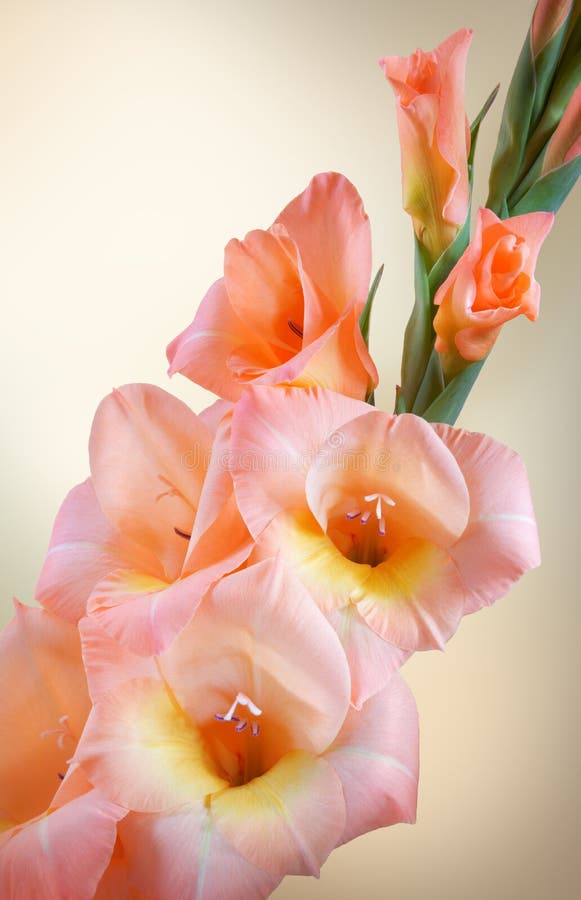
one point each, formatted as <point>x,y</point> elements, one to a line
<point>415,599</point>
<point>184,855</point>
<point>149,456</point>
<point>143,612</point>
<point>41,680</point>
<point>501,541</point>
<point>331,229</point>
<point>372,661</point>
<point>108,663</point>
<point>63,853</point>
<point>288,820</point>
<point>376,758</point>
<point>271,455</point>
<point>203,350</point>
<point>84,547</point>
<point>140,749</point>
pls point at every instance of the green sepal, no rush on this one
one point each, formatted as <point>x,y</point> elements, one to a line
<point>514,130</point>
<point>447,407</point>
<point>549,192</point>
<point>419,334</point>
<point>400,406</point>
<point>546,65</point>
<point>566,81</point>
<point>446,262</point>
<point>432,384</point>
<point>365,317</point>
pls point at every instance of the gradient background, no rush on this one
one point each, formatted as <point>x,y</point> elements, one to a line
<point>138,137</point>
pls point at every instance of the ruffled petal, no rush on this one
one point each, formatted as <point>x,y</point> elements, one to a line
<point>372,661</point>
<point>44,707</point>
<point>61,854</point>
<point>183,854</point>
<point>331,229</point>
<point>501,541</point>
<point>376,758</point>
<point>149,453</point>
<point>84,547</point>
<point>415,599</point>
<point>288,820</point>
<point>203,350</point>
<point>143,612</point>
<point>141,749</point>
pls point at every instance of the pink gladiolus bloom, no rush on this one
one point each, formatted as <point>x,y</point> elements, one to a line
<point>235,752</point>
<point>492,282</point>
<point>56,831</point>
<point>287,309</point>
<point>434,137</point>
<point>396,527</point>
<point>565,144</point>
<point>139,542</point>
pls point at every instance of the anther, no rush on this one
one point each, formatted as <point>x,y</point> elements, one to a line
<point>182,534</point>
<point>295,329</point>
<point>353,514</point>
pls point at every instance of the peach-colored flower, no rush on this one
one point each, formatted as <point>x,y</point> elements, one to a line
<point>492,282</point>
<point>56,831</point>
<point>235,752</point>
<point>434,138</point>
<point>139,542</point>
<point>397,528</point>
<point>287,309</point>
<point>565,143</point>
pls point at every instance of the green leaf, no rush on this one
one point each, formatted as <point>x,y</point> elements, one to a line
<point>447,407</point>
<point>475,127</point>
<point>549,192</point>
<point>419,334</point>
<point>365,317</point>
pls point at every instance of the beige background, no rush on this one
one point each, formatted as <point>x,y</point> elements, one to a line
<point>138,137</point>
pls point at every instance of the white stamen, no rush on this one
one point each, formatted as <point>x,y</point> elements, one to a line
<point>353,514</point>
<point>242,700</point>
<point>63,732</point>
<point>379,500</point>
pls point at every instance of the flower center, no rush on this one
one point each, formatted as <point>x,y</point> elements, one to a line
<point>361,533</point>
<point>236,741</point>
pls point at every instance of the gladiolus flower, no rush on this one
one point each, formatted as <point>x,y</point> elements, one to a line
<point>56,831</point>
<point>492,282</point>
<point>434,137</point>
<point>287,309</point>
<point>139,542</point>
<point>396,527</point>
<point>238,746</point>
